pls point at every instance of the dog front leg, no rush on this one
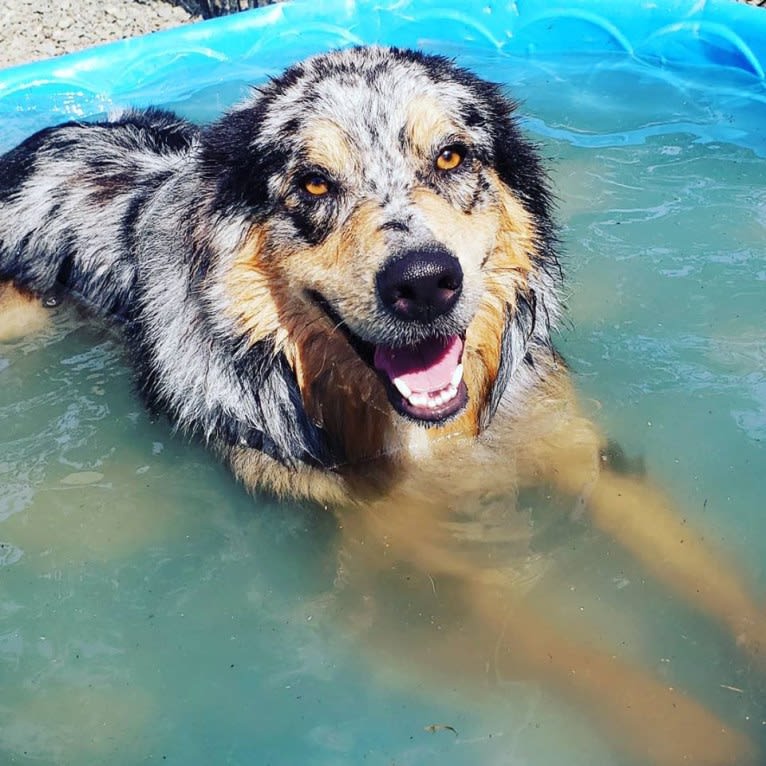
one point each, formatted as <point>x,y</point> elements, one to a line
<point>465,624</point>
<point>642,519</point>
<point>639,714</point>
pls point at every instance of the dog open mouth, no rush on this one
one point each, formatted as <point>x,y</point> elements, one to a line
<point>425,381</point>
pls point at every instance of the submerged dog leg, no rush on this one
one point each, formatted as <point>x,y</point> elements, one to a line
<point>642,519</point>
<point>20,314</point>
<point>564,449</point>
<point>636,712</point>
<point>467,624</point>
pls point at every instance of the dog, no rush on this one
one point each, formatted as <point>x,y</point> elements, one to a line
<point>347,286</point>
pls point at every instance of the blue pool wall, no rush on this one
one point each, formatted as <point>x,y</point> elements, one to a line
<point>718,37</point>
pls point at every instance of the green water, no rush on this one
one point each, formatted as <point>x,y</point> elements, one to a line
<point>152,612</point>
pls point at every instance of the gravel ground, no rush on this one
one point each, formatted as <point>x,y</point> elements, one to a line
<point>30,29</point>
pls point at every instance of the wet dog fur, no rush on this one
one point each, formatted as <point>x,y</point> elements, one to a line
<point>272,270</point>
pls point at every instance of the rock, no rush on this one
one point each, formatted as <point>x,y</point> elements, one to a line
<point>32,30</point>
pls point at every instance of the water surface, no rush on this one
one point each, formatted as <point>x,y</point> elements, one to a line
<point>152,612</point>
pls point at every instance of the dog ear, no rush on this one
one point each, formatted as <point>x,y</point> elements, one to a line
<point>529,319</point>
<point>519,167</point>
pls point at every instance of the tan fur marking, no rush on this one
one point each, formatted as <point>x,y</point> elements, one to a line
<point>505,275</point>
<point>20,313</point>
<point>256,469</point>
<point>339,391</point>
<point>251,286</point>
<point>517,236</point>
<point>328,146</point>
<point>426,122</point>
<point>344,395</point>
<point>469,235</point>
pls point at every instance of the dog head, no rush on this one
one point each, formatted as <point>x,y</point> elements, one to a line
<point>383,222</point>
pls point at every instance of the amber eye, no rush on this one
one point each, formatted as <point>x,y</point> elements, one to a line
<point>316,185</point>
<point>450,157</point>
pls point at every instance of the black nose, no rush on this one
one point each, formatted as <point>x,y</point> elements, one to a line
<point>420,284</point>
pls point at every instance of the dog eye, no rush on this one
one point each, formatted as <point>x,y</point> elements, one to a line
<point>315,184</point>
<point>450,157</point>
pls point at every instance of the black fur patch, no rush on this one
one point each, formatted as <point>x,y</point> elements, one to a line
<point>238,169</point>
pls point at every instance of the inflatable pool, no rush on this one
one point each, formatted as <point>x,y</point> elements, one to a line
<point>717,36</point>
<point>152,612</point>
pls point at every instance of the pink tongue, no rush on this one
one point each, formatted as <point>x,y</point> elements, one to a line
<point>426,367</point>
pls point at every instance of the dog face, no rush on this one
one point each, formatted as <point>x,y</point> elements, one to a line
<point>396,229</point>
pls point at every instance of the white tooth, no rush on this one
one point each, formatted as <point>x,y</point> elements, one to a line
<point>457,376</point>
<point>418,400</point>
<point>435,399</point>
<point>450,393</point>
<point>402,388</point>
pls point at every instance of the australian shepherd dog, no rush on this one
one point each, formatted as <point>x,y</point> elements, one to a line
<point>347,286</point>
